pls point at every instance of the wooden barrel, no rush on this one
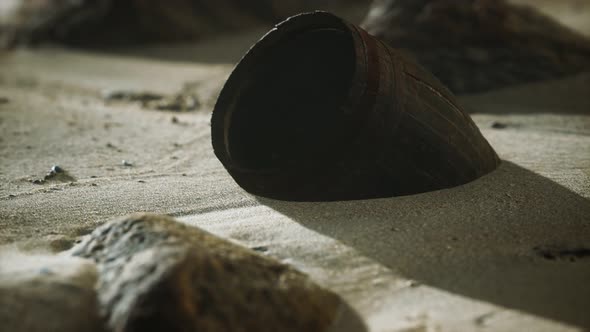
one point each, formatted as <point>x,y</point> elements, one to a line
<point>320,110</point>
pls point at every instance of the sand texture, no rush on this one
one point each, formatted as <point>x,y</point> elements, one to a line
<point>507,252</point>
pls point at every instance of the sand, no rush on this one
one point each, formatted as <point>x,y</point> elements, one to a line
<point>507,252</point>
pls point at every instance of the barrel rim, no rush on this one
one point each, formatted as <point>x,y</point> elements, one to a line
<point>223,109</point>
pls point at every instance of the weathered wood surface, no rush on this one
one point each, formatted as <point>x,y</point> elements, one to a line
<point>319,110</point>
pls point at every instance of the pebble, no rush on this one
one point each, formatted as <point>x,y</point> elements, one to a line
<point>126,163</point>
<point>415,284</point>
<point>130,96</point>
<point>260,248</point>
<point>499,125</point>
<point>56,169</point>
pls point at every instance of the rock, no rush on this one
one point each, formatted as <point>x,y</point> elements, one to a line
<point>48,293</point>
<point>480,45</point>
<point>499,125</point>
<point>559,252</point>
<point>176,103</point>
<point>107,22</point>
<point>158,274</point>
<point>56,169</point>
<point>182,101</point>
<point>130,96</point>
<point>56,173</point>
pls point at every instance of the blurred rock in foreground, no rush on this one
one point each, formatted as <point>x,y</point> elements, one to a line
<point>41,293</point>
<point>151,273</point>
<point>156,274</point>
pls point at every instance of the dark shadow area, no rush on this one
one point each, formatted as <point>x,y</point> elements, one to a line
<point>276,120</point>
<point>512,238</point>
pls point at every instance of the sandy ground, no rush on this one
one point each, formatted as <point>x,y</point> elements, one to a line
<point>508,252</point>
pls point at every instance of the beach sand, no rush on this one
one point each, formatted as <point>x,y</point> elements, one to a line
<point>507,252</point>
